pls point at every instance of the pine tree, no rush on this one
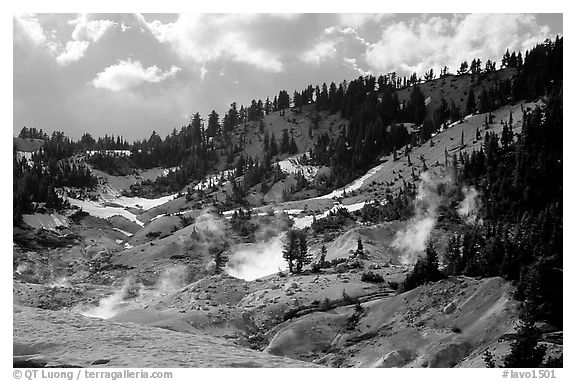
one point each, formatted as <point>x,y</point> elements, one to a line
<point>471,102</point>
<point>293,149</point>
<point>525,352</point>
<point>220,257</point>
<point>296,250</point>
<point>323,253</point>
<point>273,146</point>
<point>213,128</point>
<point>359,249</point>
<point>285,141</point>
<point>304,258</point>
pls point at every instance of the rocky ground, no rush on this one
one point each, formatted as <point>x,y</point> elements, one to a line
<point>132,284</point>
<point>44,338</point>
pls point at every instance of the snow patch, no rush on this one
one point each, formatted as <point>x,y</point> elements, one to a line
<point>293,165</point>
<point>45,221</point>
<point>101,210</point>
<point>96,209</point>
<point>124,232</point>
<point>111,152</point>
<point>306,221</point>
<point>356,184</point>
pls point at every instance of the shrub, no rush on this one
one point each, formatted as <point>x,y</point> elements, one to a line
<point>315,268</point>
<point>372,277</point>
<point>153,235</point>
<point>325,304</point>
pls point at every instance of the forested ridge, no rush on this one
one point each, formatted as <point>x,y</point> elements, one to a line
<point>371,105</point>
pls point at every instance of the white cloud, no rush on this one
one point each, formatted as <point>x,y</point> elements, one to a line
<point>31,27</point>
<point>203,38</point>
<point>128,74</point>
<point>434,42</point>
<point>353,63</point>
<point>357,20</point>
<point>85,32</point>
<point>90,30</point>
<point>319,52</point>
<point>73,51</point>
<point>203,72</point>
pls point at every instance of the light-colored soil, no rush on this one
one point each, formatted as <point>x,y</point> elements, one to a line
<point>413,329</point>
<point>62,339</point>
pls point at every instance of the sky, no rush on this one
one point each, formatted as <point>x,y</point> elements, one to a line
<point>131,74</point>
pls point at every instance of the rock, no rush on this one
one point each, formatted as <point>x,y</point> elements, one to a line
<point>450,307</point>
<point>292,285</point>
<point>394,359</point>
<point>339,341</point>
<point>450,355</point>
<point>340,268</point>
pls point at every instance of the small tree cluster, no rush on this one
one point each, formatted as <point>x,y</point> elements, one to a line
<point>425,270</point>
<point>296,250</point>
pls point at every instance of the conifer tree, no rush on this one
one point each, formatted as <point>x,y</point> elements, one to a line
<point>359,248</point>
<point>471,102</point>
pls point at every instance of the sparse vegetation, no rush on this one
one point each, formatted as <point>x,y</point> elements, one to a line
<point>296,250</point>
<point>425,270</point>
<point>372,277</point>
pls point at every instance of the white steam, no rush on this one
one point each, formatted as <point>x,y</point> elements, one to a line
<point>252,261</point>
<point>61,282</point>
<point>171,280</point>
<point>469,207</point>
<point>208,222</point>
<point>413,238</point>
<point>113,304</point>
<point>134,295</point>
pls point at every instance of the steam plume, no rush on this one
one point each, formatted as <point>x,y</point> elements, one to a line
<point>413,238</point>
<point>115,303</point>
<point>470,206</point>
<point>253,261</point>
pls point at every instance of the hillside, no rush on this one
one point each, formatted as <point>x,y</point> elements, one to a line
<point>378,231</point>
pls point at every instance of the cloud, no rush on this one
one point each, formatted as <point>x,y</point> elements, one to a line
<point>337,44</point>
<point>203,72</point>
<point>433,42</point>
<point>128,74</point>
<point>204,38</point>
<point>357,20</point>
<point>85,32</point>
<point>89,30</point>
<point>73,51</point>
<point>30,26</point>
<point>353,63</point>
<point>319,52</point>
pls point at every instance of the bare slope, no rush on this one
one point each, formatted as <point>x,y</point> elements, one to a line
<point>435,325</point>
<point>63,339</point>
